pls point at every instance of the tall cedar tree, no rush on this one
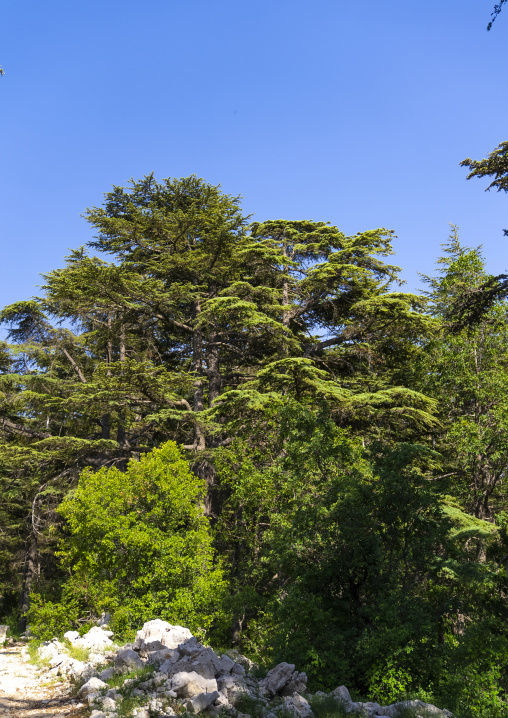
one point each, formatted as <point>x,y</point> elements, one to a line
<point>197,327</point>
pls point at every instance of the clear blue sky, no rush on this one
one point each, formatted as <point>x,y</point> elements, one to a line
<point>356,112</point>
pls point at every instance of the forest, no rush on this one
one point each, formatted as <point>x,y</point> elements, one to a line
<point>250,429</point>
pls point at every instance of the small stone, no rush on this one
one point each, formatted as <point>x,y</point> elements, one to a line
<point>188,685</point>
<point>91,686</point>
<point>201,702</point>
<point>71,636</point>
<point>342,693</point>
<point>114,694</point>
<point>127,660</point>
<point>298,706</point>
<point>108,704</point>
<point>276,679</point>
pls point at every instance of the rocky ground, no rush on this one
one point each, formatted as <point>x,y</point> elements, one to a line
<point>165,673</point>
<point>26,693</point>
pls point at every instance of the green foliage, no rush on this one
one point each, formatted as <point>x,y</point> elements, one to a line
<point>341,502</point>
<point>138,676</point>
<point>349,562</point>
<point>250,705</point>
<point>49,619</point>
<point>79,653</point>
<point>34,658</point>
<point>467,372</point>
<point>139,547</point>
<point>327,706</point>
<point>494,165</point>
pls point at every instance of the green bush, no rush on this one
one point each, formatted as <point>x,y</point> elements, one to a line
<point>48,619</point>
<point>139,547</point>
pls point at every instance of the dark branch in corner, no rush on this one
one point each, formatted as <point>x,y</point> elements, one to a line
<point>497,10</point>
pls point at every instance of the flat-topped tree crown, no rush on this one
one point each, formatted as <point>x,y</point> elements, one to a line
<point>320,272</point>
<point>161,220</point>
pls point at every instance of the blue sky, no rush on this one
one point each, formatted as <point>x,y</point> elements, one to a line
<point>354,112</point>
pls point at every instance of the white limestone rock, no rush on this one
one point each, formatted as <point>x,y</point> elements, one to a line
<point>416,706</point>
<point>50,649</point>
<point>201,702</point>
<point>276,679</point>
<point>190,647</point>
<point>127,660</point>
<point>297,684</point>
<point>298,706</point>
<point>96,639</point>
<point>222,701</point>
<point>82,671</point>
<point>92,686</point>
<point>342,693</point>
<point>108,704</point>
<point>370,708</point>
<point>190,684</point>
<point>92,698</point>
<point>71,636</point>
<point>63,665</point>
<point>168,635</point>
<point>161,656</point>
<point>225,664</point>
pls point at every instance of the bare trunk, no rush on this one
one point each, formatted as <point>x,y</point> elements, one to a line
<point>197,367</point>
<point>105,427</point>
<point>214,379</point>
<point>105,418</point>
<point>285,294</point>
<point>30,572</point>
<point>120,434</point>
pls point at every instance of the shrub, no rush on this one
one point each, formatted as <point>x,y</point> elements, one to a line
<point>139,547</point>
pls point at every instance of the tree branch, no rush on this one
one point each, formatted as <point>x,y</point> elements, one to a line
<point>13,428</point>
<point>74,366</point>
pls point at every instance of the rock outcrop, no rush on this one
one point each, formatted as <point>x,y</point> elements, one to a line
<point>174,673</point>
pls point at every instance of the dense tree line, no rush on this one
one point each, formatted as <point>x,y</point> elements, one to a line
<point>251,429</point>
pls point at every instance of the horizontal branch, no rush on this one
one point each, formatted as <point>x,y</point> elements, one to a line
<point>13,428</point>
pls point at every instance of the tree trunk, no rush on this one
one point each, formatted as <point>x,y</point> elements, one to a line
<point>120,433</point>
<point>285,293</point>
<point>197,368</point>
<point>30,571</point>
<point>214,377</point>
<point>105,428</point>
<point>105,418</point>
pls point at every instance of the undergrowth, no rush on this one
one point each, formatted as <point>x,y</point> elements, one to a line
<point>139,675</point>
<point>126,707</point>
<point>327,707</point>
<point>35,659</point>
<point>250,705</point>
<point>79,653</point>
